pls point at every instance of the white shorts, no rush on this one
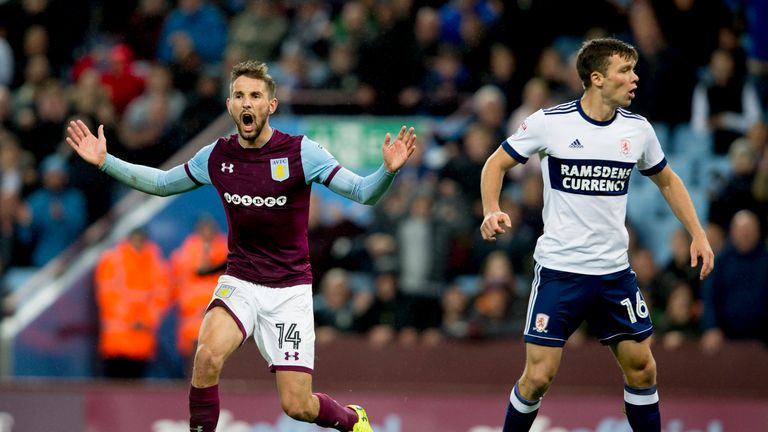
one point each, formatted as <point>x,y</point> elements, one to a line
<point>281,320</point>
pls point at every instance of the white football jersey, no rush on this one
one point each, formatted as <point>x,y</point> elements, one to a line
<point>586,165</point>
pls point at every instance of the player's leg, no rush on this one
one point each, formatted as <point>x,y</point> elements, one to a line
<point>556,308</point>
<point>641,399</point>
<point>625,325</point>
<point>219,337</point>
<point>285,336</point>
<point>541,364</point>
<point>299,403</point>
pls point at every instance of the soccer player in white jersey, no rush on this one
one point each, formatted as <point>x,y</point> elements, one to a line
<point>263,177</point>
<point>587,149</point>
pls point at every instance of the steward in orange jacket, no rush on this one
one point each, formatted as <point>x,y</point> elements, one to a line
<point>193,283</point>
<point>132,294</point>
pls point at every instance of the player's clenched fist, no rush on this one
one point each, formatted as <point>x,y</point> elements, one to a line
<point>493,224</point>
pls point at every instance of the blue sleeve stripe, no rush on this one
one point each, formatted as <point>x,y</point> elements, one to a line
<point>517,156</point>
<point>189,174</point>
<point>654,169</point>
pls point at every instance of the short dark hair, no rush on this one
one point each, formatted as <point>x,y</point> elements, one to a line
<point>595,55</point>
<point>253,69</point>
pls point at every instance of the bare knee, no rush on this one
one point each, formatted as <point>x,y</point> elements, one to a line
<point>298,407</point>
<point>535,381</point>
<point>208,363</point>
<point>641,373</point>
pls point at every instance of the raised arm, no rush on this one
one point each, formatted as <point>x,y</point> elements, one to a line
<point>369,189</point>
<point>146,179</point>
<point>674,192</point>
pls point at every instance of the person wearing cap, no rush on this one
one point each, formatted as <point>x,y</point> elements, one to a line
<point>52,217</point>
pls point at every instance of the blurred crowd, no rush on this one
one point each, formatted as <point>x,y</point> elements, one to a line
<point>155,73</point>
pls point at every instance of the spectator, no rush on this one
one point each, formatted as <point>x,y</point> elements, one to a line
<point>668,79</point>
<point>724,103</point>
<point>678,269</point>
<point>455,307</point>
<point>518,245</point>
<point>535,97</point>
<point>736,294</point>
<point>122,77</point>
<point>206,247</point>
<point>54,216</point>
<point>203,106</point>
<point>132,293</point>
<point>465,167</point>
<point>422,246</point>
<point>334,308</point>
<point>11,184</point>
<point>496,310</point>
<point>680,321</point>
<point>504,74</point>
<point>736,192</point>
<point>7,70</point>
<point>387,313</point>
<point>145,24</point>
<point>150,117</point>
<point>259,30</point>
<point>194,23</point>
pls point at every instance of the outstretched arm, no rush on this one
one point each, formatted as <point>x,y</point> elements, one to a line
<point>676,195</point>
<point>146,179</point>
<point>369,189</point>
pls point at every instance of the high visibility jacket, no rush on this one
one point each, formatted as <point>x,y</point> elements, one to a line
<point>132,293</point>
<point>192,292</point>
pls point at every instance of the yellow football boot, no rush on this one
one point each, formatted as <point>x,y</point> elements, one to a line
<point>362,425</point>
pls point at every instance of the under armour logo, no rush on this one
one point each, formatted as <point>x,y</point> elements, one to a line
<point>295,355</point>
<point>196,429</point>
<point>230,169</point>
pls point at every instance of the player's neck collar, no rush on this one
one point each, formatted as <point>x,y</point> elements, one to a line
<point>580,106</point>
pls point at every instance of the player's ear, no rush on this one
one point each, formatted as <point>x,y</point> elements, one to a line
<point>273,106</point>
<point>596,78</point>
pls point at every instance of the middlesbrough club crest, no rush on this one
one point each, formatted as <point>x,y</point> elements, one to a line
<point>542,320</point>
<point>625,148</point>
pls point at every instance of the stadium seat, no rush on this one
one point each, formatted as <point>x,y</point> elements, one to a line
<point>690,143</point>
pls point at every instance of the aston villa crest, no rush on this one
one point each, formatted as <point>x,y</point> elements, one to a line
<point>279,169</point>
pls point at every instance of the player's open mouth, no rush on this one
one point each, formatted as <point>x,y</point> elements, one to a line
<point>247,121</point>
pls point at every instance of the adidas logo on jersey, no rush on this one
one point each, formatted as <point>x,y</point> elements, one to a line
<point>576,144</point>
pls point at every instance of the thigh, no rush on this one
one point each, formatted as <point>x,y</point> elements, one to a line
<point>219,332</point>
<point>285,328</point>
<point>557,306</point>
<point>620,311</point>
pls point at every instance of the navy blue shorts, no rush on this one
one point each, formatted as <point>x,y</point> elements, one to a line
<point>611,304</point>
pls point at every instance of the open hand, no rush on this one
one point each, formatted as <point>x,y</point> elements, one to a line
<point>92,149</point>
<point>397,153</point>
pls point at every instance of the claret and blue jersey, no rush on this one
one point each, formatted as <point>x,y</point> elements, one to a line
<point>265,192</point>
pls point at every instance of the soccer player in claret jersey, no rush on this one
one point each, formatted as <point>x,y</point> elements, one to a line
<point>263,177</point>
<point>588,148</point>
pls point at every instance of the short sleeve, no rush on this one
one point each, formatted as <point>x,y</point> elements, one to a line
<point>528,139</point>
<point>652,160</point>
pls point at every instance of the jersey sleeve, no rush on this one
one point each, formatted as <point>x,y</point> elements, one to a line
<point>528,139</point>
<point>652,160</point>
<point>320,166</point>
<point>181,178</point>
